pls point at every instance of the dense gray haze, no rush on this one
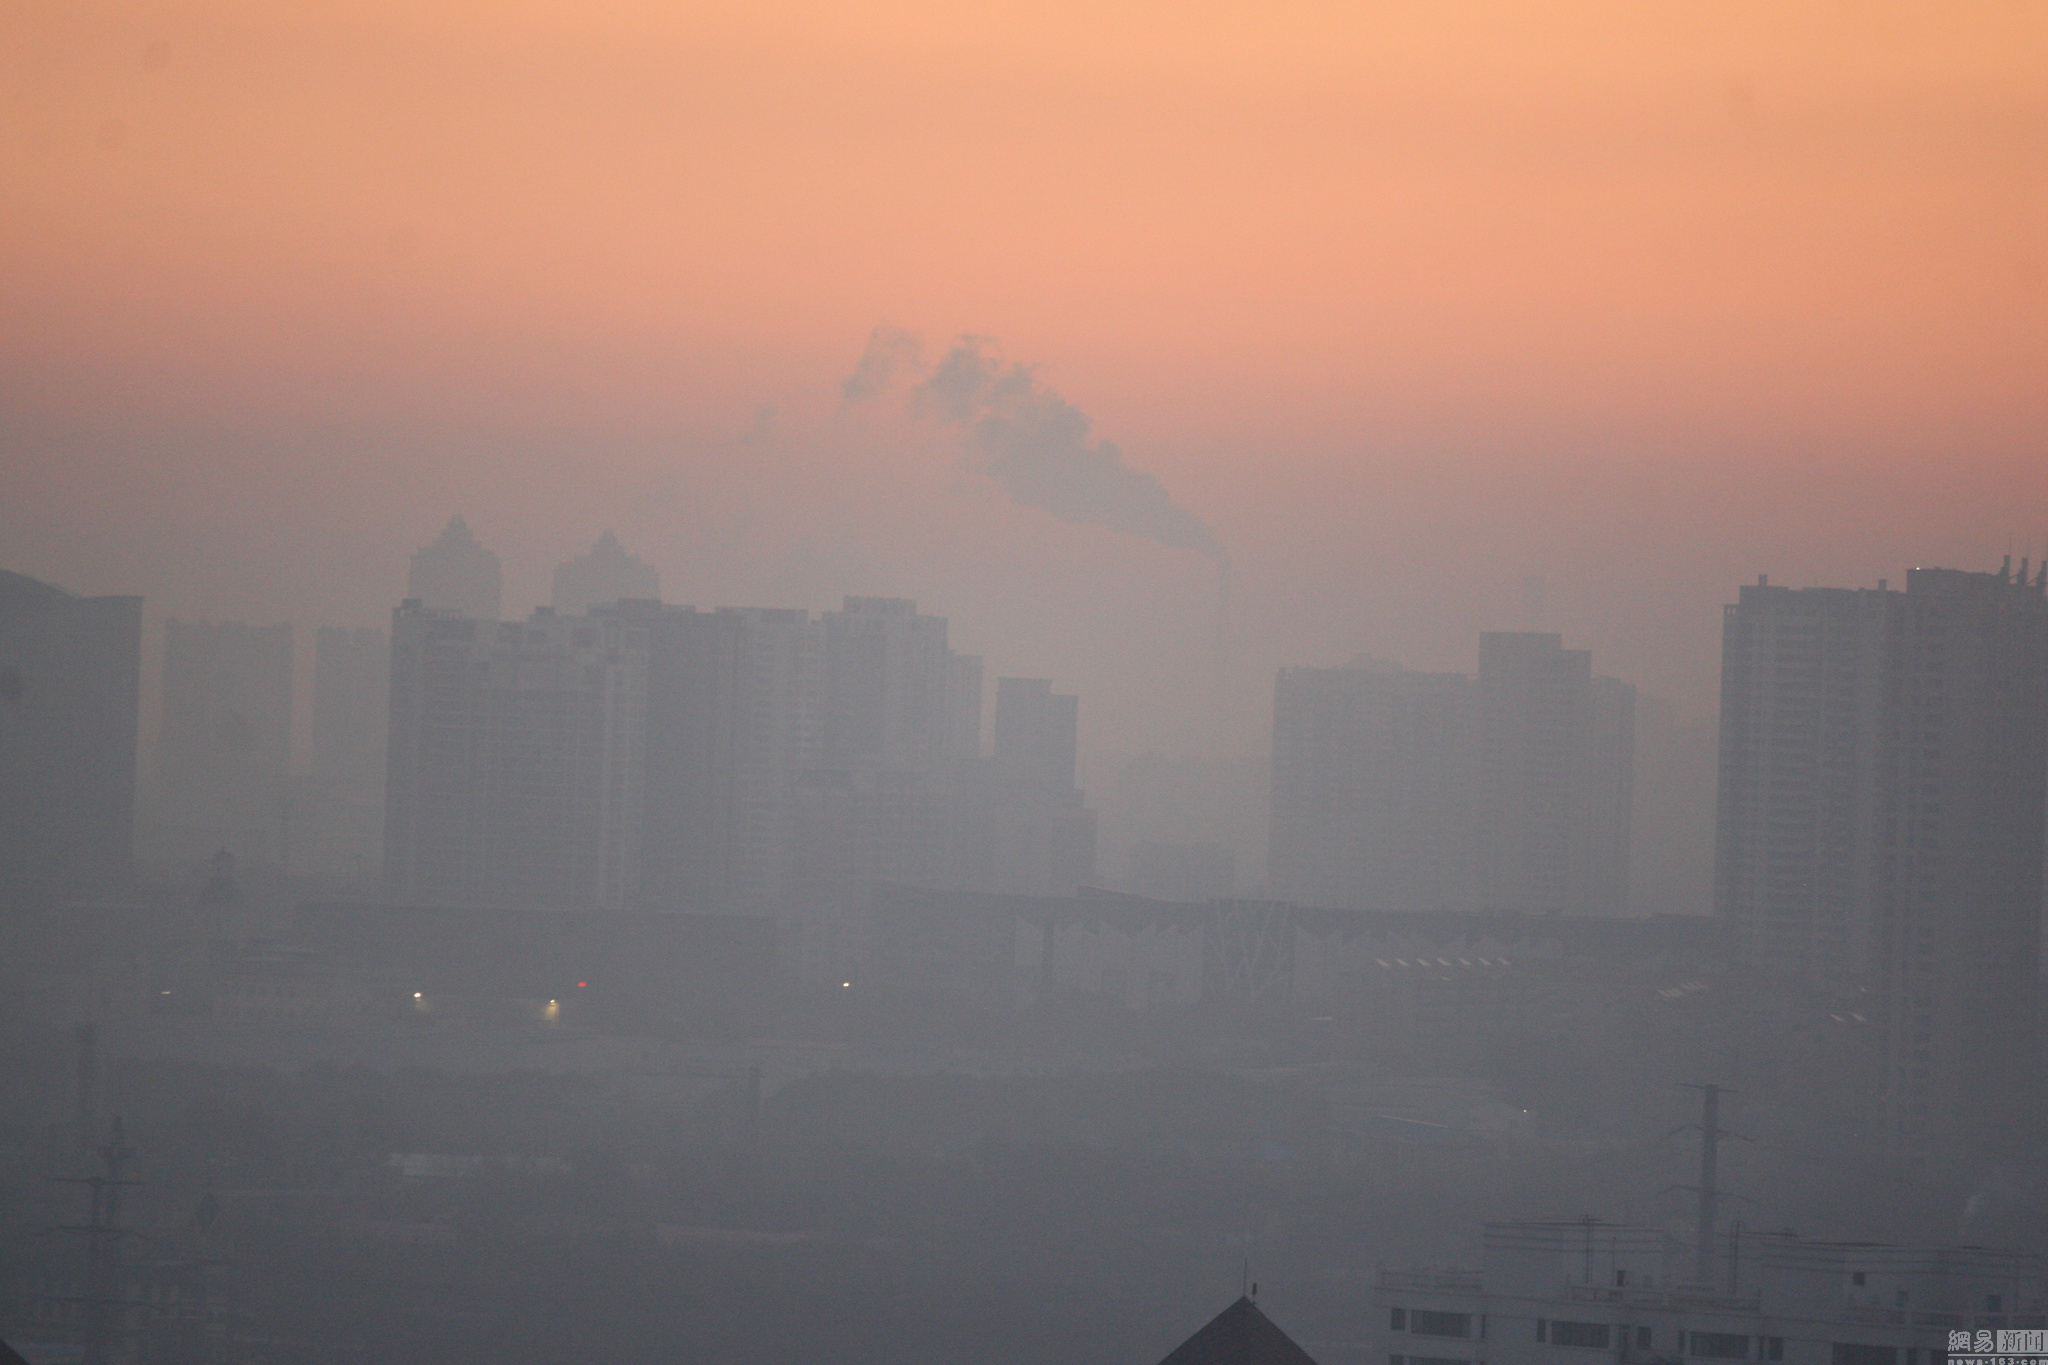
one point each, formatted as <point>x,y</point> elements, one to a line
<point>1332,684</point>
<point>639,981</point>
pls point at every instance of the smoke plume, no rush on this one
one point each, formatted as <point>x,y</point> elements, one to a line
<point>1029,439</point>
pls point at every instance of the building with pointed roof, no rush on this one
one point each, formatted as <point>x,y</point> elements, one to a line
<point>602,576</point>
<point>457,573</point>
<point>1239,1335</point>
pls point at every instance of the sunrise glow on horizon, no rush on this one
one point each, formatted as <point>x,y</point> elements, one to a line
<point>1408,302</point>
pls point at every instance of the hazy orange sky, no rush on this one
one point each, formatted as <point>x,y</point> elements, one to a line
<point>1409,301</point>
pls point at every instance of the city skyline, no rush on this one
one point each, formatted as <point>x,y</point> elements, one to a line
<point>896,683</point>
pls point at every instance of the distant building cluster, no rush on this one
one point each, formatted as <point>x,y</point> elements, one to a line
<point>1443,791</point>
<point>1883,781</point>
<point>739,760</point>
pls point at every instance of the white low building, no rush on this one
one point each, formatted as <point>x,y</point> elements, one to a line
<point>1572,1293</point>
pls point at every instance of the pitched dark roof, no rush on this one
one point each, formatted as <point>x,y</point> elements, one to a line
<point>1239,1335</point>
<point>19,592</point>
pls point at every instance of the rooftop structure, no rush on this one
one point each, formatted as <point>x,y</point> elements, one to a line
<point>602,575</point>
<point>1239,1335</point>
<point>456,573</point>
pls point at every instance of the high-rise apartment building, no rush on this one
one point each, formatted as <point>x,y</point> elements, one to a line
<point>351,706</point>
<point>456,573</point>
<point>1508,791</point>
<point>1042,836</point>
<point>69,673</point>
<point>1037,733</point>
<point>605,574</point>
<point>732,726</point>
<point>517,759</point>
<point>1374,779</point>
<point>1883,759</point>
<point>747,761</point>
<point>889,687</point>
<point>224,747</point>
<point>886,798</point>
<point>1555,753</point>
<point>339,824</point>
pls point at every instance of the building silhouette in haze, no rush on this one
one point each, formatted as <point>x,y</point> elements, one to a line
<point>1442,791</point>
<point>603,575</point>
<point>1043,835</point>
<point>457,574</point>
<point>342,815</point>
<point>1555,758</point>
<point>1883,757</point>
<point>516,761</point>
<point>743,760</point>
<point>732,724</point>
<point>224,746</point>
<point>1374,779</point>
<point>69,675</point>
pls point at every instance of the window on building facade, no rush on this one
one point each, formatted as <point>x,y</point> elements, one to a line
<point>1425,1323</point>
<point>1770,1348</point>
<point>1718,1346</point>
<point>1855,1353</point>
<point>1643,1338</point>
<point>1596,1335</point>
<point>1397,1319</point>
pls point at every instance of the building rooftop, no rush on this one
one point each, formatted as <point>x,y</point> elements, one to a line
<point>1239,1335</point>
